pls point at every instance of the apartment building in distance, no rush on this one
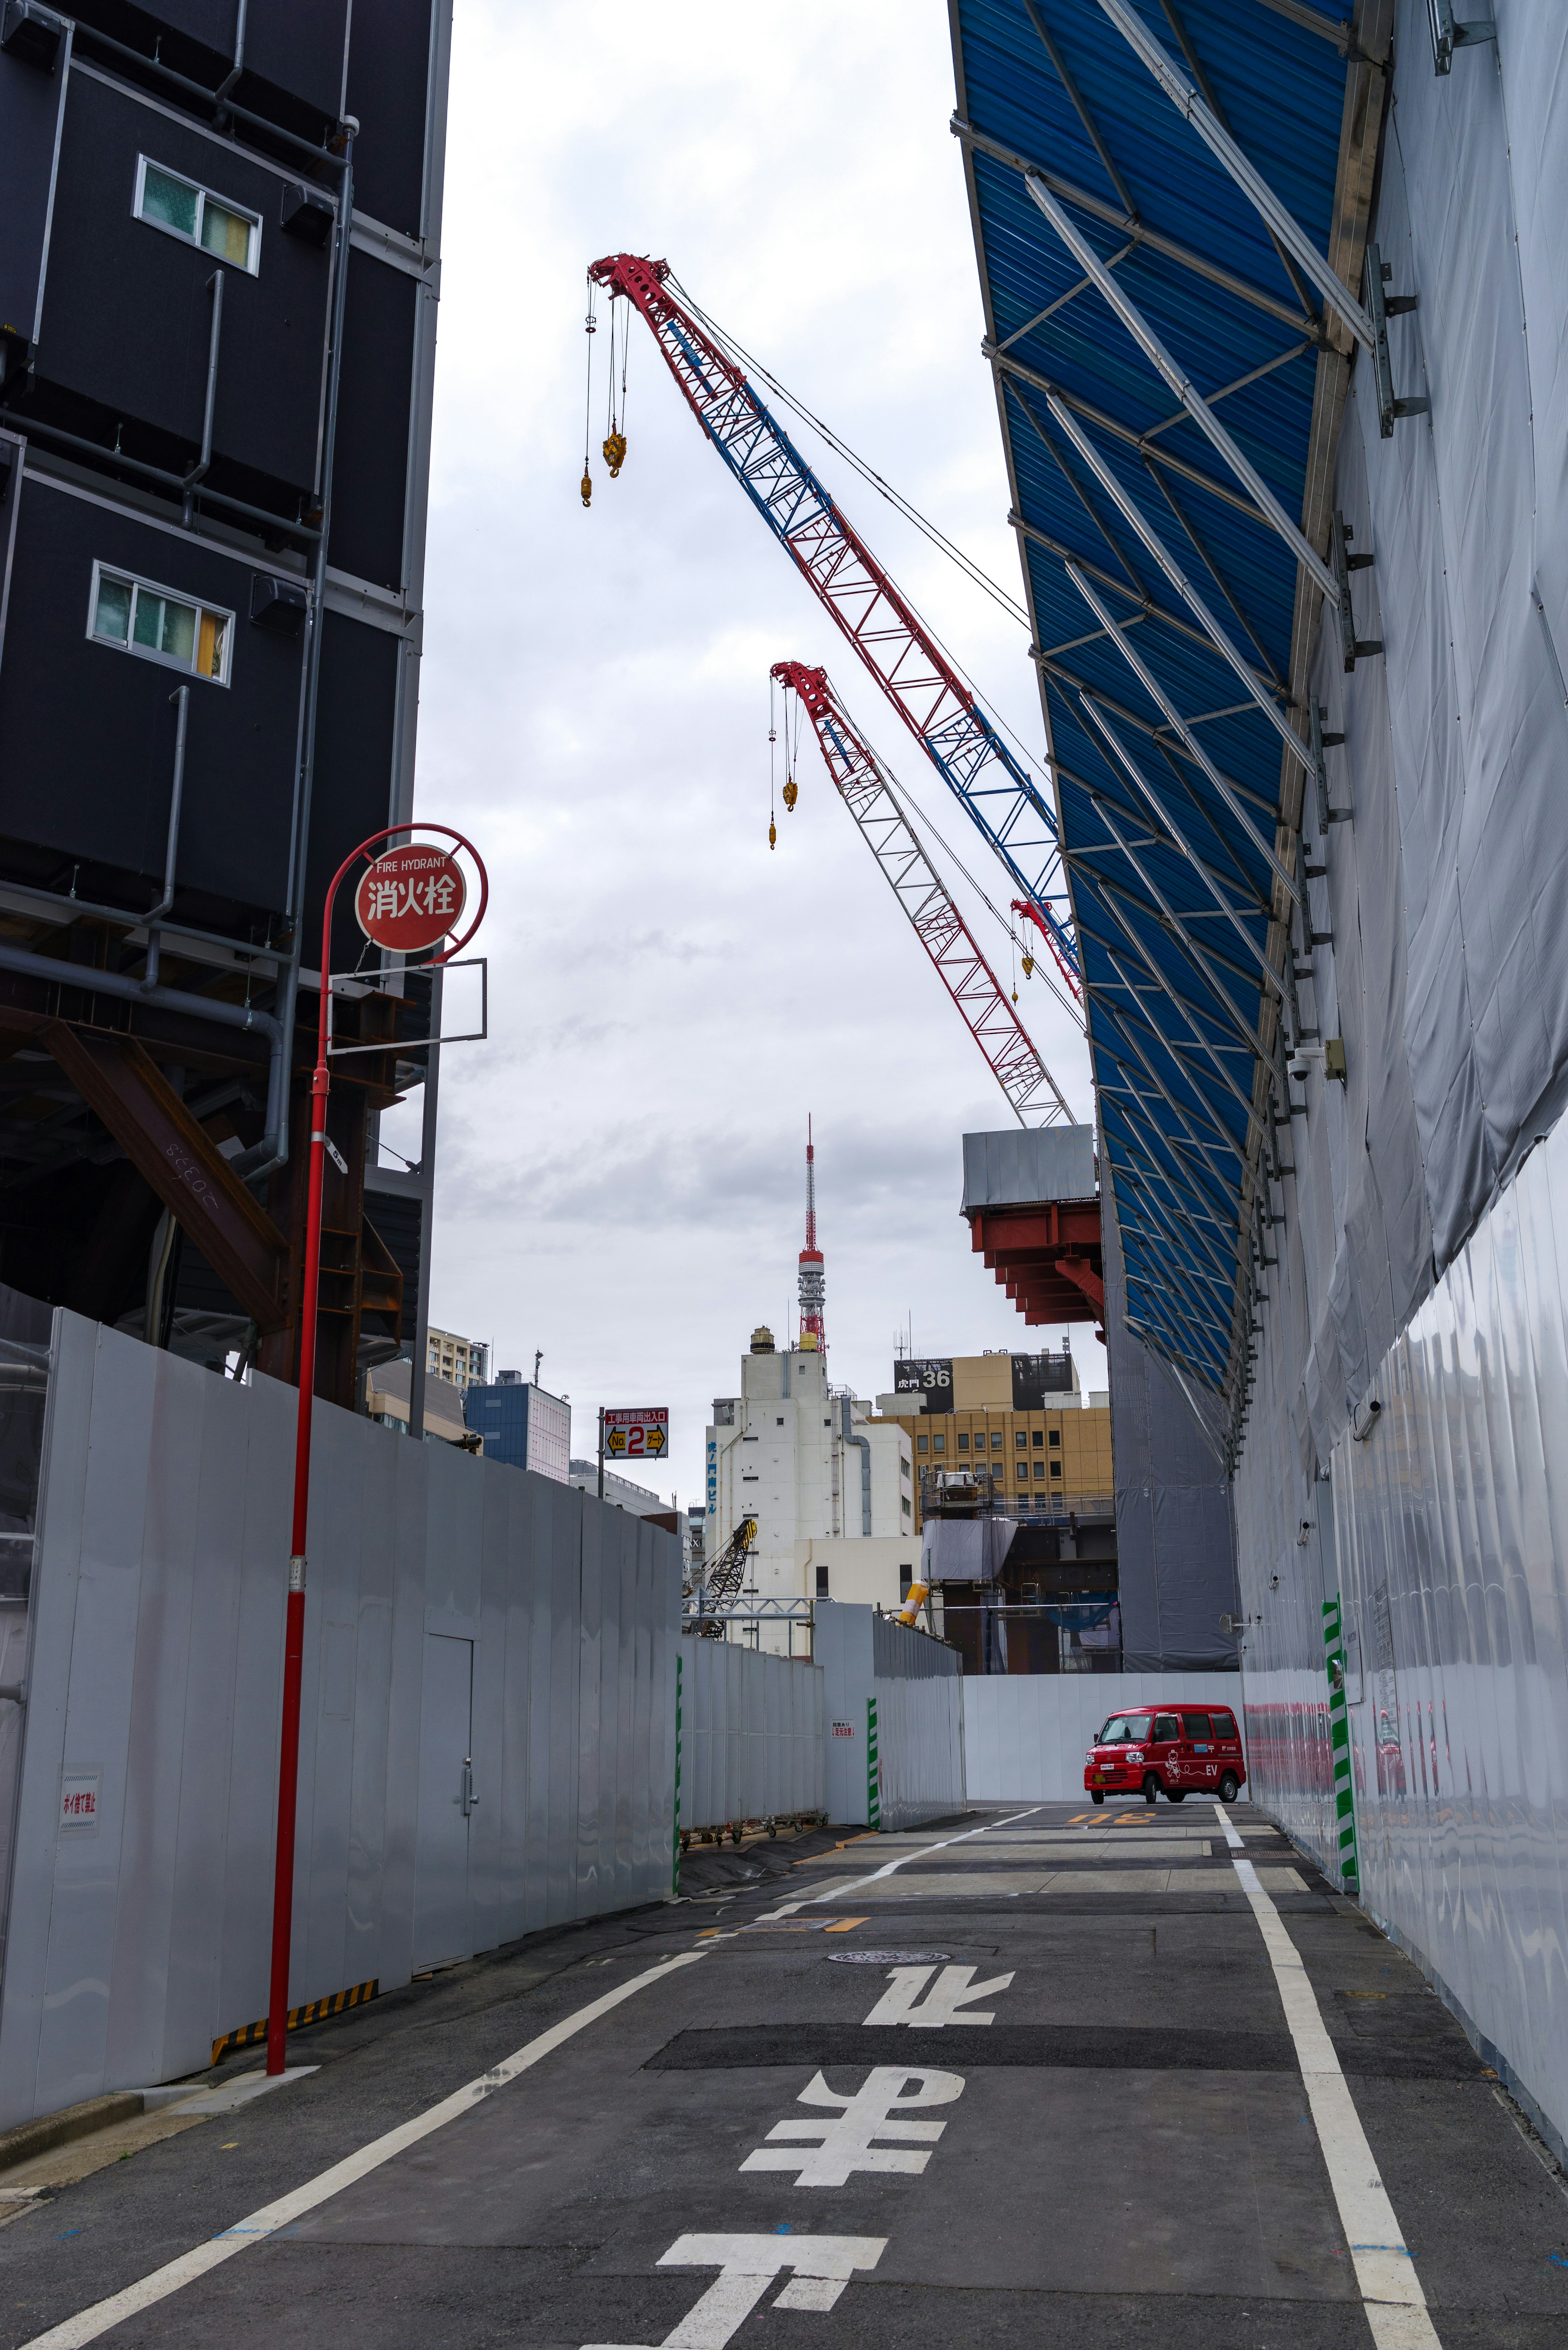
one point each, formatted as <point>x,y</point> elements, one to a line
<point>1046,1444</point>
<point>464,1362</point>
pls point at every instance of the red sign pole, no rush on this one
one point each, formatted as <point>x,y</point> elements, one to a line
<point>399,927</point>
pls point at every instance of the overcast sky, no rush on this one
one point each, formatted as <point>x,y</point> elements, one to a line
<point>622,1167</point>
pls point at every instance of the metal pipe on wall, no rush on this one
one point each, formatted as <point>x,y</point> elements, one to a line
<point>181,700</point>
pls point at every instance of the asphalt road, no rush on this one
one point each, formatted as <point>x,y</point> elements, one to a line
<point>1038,2084</point>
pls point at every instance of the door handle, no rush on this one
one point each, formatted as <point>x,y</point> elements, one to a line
<point>470,1800</point>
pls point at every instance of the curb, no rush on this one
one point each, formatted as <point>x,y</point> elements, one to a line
<point>41,2136</point>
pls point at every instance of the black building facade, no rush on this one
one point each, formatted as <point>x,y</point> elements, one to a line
<point>219,264</point>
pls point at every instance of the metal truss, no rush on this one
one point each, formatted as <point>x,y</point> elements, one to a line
<point>992,786</point>
<point>983,1002</point>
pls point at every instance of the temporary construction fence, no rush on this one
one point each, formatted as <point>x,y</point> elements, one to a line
<point>752,1740</point>
<point>895,1718</point>
<point>1026,1735</point>
<point>489,1711</point>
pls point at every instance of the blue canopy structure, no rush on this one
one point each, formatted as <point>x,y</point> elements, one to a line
<point>1170,202</point>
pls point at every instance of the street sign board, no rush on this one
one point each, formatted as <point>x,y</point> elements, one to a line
<point>638,1435</point>
<point>411,898</point>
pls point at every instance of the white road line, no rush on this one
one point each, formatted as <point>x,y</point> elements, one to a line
<point>89,2323</point>
<point>789,1908</point>
<point>1390,2289</point>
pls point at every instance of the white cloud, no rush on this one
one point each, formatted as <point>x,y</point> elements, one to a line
<point>621,1165</point>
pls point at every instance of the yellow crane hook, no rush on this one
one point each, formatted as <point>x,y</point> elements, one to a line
<point>791,793</point>
<point>587,487</point>
<point>615,454</point>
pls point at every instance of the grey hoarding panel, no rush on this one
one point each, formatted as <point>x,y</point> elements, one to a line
<point>753,1739</point>
<point>1041,1162</point>
<point>141,1935</point>
<point>1175,1545</point>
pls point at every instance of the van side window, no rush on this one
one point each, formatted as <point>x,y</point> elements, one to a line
<point>1224,1727</point>
<point>1166,1725</point>
<point>1197,1725</point>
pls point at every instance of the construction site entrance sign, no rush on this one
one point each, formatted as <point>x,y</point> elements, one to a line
<point>638,1435</point>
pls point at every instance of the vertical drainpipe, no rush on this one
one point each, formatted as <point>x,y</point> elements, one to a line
<point>846,1407</point>
<point>273,1150</point>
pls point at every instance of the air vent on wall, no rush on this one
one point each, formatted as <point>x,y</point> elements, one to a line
<point>306,214</point>
<point>30,34</point>
<point>277,605</point>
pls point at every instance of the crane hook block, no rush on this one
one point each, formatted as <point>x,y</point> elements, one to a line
<point>1028,966</point>
<point>772,835</point>
<point>615,454</point>
<point>587,487</point>
<point>791,793</point>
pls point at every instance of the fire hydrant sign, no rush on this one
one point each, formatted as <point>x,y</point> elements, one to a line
<point>411,898</point>
<point>638,1435</point>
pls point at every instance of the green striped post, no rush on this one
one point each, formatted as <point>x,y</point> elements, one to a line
<point>873,1773</point>
<point>1339,1743</point>
<point>675,1857</point>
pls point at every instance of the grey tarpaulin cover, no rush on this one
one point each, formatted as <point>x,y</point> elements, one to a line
<point>1421,1258</point>
<point>1175,1545</point>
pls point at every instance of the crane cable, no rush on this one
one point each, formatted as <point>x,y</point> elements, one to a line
<point>868,474</point>
<point>899,503</point>
<point>903,800</point>
<point>587,481</point>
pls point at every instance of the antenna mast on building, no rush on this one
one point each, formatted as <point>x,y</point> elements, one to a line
<point>813,1282</point>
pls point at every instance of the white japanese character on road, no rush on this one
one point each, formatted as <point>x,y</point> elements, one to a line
<point>747,2265</point>
<point>874,2113</point>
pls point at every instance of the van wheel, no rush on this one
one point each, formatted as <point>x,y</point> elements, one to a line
<point>1150,1786</point>
<point>1096,1794</point>
<point>1229,1787</point>
<point>1176,1796</point>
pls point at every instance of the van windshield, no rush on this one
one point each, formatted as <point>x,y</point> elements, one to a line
<point>1124,1730</point>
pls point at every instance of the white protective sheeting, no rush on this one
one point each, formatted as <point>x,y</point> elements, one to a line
<point>454,1607</point>
<point>752,1735</point>
<point>1409,1271</point>
<point>1025,1734</point>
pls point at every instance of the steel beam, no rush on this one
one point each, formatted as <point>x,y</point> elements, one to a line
<point>1181,384</point>
<point>1189,102</point>
<point>1169,247</point>
<point>1131,512</point>
<point>1162,701</point>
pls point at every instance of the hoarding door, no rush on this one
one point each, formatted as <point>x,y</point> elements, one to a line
<point>442,1930</point>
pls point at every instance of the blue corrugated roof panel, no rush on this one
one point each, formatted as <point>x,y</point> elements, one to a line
<point>1172,897</point>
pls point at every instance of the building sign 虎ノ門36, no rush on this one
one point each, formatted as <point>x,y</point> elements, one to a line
<point>929,1374</point>
<point>638,1435</point>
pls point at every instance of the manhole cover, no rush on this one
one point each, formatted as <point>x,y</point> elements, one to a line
<point>885,1958</point>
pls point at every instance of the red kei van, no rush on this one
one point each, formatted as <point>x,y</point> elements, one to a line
<point>1170,1751</point>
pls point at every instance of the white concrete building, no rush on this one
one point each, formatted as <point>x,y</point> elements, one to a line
<point>806,1463</point>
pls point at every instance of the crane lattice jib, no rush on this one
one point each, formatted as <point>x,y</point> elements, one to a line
<point>997,794</point>
<point>987,1009</point>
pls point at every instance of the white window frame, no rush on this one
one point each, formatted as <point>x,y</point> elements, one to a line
<point>251,268</point>
<point>155,652</point>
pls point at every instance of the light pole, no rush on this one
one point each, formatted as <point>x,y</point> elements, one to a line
<point>417,901</point>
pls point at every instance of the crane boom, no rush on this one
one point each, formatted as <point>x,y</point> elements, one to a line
<point>996,792</point>
<point>987,1010</point>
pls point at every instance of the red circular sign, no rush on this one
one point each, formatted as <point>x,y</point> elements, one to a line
<point>411,898</point>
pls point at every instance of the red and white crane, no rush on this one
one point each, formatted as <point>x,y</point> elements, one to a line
<point>984,1004</point>
<point>996,791</point>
